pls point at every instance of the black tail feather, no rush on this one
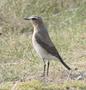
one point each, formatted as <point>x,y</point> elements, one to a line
<point>61,60</point>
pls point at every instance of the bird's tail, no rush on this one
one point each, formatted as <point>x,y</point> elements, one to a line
<point>61,60</point>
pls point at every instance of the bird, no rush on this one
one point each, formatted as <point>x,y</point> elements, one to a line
<point>43,44</point>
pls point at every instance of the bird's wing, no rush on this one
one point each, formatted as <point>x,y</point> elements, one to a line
<point>47,44</point>
<point>45,41</point>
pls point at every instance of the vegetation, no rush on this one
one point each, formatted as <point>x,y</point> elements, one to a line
<point>20,66</point>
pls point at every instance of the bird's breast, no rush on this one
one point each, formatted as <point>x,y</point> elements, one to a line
<point>40,50</point>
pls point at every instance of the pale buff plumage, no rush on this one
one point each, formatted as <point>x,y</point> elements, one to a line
<point>42,42</point>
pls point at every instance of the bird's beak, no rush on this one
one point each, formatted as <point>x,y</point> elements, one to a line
<point>27,18</point>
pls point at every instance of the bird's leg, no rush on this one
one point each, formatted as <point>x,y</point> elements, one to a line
<point>44,67</point>
<point>48,67</point>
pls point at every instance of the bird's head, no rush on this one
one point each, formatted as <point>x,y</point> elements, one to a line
<point>35,20</point>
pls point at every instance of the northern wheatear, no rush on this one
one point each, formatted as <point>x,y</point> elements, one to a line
<point>43,44</point>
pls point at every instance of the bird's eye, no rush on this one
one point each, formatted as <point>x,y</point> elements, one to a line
<point>34,19</point>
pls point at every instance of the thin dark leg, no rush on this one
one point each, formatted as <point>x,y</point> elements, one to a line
<point>48,67</point>
<point>44,68</point>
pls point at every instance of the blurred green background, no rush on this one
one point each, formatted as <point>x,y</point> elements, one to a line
<point>66,23</point>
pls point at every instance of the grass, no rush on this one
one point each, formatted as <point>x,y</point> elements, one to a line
<point>19,61</point>
<point>38,85</point>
